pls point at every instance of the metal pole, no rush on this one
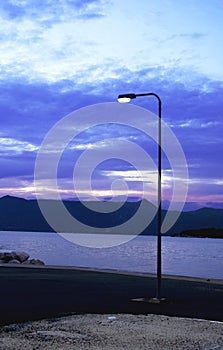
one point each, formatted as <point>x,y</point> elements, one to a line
<point>159,213</point>
<point>159,189</point>
<point>159,196</point>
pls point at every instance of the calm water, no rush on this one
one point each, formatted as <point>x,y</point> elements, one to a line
<point>197,257</point>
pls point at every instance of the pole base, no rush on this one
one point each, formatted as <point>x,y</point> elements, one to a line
<point>151,300</point>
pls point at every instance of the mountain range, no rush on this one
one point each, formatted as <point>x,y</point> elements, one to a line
<point>18,214</point>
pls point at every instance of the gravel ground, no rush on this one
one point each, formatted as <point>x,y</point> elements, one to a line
<point>120,331</point>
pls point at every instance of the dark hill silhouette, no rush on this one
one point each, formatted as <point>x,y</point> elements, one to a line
<point>199,219</point>
<point>18,214</point>
<point>203,233</point>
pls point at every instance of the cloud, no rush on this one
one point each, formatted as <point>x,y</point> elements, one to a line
<point>10,146</point>
<point>30,109</point>
<point>59,56</point>
<point>193,36</point>
<point>196,124</point>
<point>47,38</point>
<point>50,10</point>
<point>132,175</point>
<point>52,41</point>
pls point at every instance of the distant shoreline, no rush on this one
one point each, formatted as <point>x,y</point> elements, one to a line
<point>200,233</point>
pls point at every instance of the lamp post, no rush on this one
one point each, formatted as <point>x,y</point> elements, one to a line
<point>124,98</point>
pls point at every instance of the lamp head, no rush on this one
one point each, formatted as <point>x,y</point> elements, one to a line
<point>124,98</point>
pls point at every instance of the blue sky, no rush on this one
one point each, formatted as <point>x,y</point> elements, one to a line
<point>59,56</point>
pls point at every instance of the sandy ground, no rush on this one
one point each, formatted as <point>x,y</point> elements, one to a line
<point>120,331</point>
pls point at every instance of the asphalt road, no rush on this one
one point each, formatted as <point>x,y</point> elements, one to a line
<point>37,293</point>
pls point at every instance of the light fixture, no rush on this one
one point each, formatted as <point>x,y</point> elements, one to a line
<point>125,98</point>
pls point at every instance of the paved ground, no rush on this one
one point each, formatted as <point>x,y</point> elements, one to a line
<point>38,293</point>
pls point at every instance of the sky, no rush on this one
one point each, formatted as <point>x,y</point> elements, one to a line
<point>57,57</point>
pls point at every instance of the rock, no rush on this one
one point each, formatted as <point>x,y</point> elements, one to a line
<point>6,256</point>
<point>14,261</point>
<point>16,257</point>
<point>21,256</point>
<point>34,262</point>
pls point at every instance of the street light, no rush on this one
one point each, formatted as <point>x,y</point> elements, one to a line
<point>124,98</point>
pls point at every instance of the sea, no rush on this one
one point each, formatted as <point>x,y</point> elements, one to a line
<point>181,256</point>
